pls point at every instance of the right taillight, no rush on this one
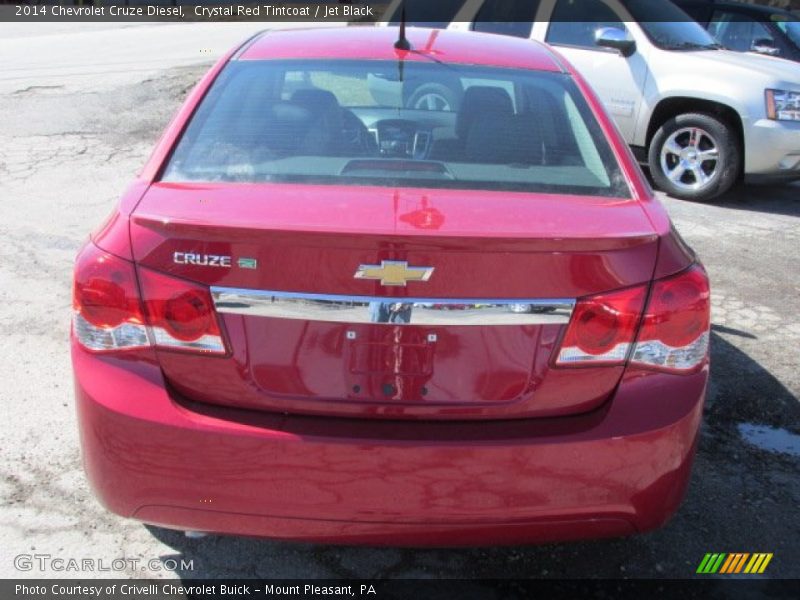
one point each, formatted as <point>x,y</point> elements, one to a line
<point>675,328</point>
<point>602,329</point>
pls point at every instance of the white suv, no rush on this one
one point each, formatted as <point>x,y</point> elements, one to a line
<point>698,115</point>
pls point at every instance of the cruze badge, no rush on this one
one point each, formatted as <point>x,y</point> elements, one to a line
<point>212,260</point>
<point>201,260</point>
<point>393,272</point>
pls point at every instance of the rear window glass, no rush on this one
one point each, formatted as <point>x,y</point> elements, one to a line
<point>408,124</point>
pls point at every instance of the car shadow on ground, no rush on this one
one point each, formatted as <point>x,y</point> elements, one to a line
<point>778,199</point>
<point>774,199</point>
<point>734,486</point>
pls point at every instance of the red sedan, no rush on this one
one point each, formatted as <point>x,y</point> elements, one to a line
<point>339,305</point>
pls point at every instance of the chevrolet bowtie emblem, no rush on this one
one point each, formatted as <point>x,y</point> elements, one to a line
<point>393,272</point>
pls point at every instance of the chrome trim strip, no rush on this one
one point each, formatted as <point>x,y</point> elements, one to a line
<point>393,311</point>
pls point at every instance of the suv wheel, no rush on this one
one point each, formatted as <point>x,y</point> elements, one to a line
<point>433,96</point>
<point>695,157</point>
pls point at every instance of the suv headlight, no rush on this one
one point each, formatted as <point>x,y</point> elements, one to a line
<point>783,105</point>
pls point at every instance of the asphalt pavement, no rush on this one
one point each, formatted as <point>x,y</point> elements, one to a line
<point>81,110</point>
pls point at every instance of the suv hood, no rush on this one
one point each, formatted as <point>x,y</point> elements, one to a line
<point>775,71</point>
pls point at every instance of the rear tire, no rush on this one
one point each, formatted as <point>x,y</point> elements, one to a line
<point>695,156</point>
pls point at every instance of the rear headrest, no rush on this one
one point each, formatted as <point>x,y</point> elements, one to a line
<point>315,100</point>
<point>479,101</point>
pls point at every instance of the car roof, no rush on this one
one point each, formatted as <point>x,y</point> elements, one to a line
<point>377,43</point>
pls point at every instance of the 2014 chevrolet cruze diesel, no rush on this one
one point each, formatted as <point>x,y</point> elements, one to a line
<point>320,316</point>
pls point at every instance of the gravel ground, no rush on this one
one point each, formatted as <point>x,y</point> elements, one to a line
<point>65,155</point>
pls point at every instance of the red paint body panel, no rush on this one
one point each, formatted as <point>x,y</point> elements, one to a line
<point>549,246</point>
<point>113,235</point>
<point>377,43</point>
<point>613,471</point>
<point>271,440</point>
<point>300,376</point>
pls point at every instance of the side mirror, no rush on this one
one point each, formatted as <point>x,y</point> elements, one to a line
<point>612,37</point>
<point>764,46</point>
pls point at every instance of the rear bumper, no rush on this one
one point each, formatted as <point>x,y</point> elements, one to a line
<point>618,470</point>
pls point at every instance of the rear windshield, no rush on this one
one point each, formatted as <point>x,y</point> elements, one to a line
<point>407,124</point>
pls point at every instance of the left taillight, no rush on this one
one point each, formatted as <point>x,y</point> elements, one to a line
<point>110,315</point>
<point>105,299</point>
<point>181,314</point>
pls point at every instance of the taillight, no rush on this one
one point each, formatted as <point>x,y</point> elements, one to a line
<point>673,335</point>
<point>181,314</point>
<point>675,330</point>
<point>602,329</point>
<point>107,312</point>
<point>109,315</point>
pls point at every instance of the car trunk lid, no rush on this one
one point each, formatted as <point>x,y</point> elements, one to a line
<point>472,339</point>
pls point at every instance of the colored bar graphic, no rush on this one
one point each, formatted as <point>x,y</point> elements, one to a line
<point>711,563</point>
<point>727,564</point>
<point>755,562</point>
<point>734,563</point>
<point>764,564</point>
<point>715,567</point>
<point>704,563</point>
<point>740,563</point>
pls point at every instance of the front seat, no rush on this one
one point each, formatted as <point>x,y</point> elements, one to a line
<point>315,100</point>
<point>478,102</point>
<point>504,140</point>
<point>324,136</point>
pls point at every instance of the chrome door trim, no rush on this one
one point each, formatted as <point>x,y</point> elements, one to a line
<point>392,311</point>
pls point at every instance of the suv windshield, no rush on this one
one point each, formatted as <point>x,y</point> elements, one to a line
<point>397,124</point>
<point>668,27</point>
<point>791,27</point>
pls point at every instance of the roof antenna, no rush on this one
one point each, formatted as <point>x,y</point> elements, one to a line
<point>402,42</point>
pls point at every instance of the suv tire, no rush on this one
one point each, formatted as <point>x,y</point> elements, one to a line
<point>434,96</point>
<point>695,156</point>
